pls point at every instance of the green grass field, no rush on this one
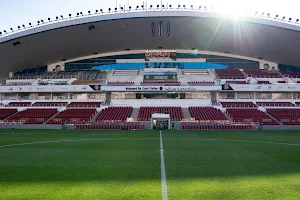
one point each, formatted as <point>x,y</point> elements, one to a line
<point>62,165</point>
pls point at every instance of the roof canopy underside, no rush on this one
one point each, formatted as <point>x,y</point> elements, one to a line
<point>242,38</point>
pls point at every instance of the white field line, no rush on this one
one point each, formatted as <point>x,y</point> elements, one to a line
<point>246,141</point>
<point>107,139</point>
<point>164,188</point>
<point>74,140</point>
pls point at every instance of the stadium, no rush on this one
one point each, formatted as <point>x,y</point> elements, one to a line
<point>151,102</point>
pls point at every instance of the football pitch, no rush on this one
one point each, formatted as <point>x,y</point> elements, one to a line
<point>146,165</point>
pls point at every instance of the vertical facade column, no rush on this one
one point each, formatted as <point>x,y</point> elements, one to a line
<point>108,97</point>
<point>213,97</point>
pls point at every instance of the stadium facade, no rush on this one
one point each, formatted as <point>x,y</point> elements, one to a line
<point>144,69</point>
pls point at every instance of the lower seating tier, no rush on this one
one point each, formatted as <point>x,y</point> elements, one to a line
<point>32,116</point>
<point>286,116</point>
<point>73,115</point>
<point>146,112</point>
<point>197,126</point>
<point>123,126</point>
<point>207,114</point>
<point>5,112</point>
<point>114,114</point>
<point>250,115</point>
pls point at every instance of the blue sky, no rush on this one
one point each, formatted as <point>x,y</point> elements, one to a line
<point>14,13</point>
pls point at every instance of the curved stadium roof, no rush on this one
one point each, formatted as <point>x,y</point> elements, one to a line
<point>255,37</point>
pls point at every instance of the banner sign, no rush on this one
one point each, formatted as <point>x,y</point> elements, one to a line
<point>264,87</point>
<point>99,88</point>
<point>49,88</point>
<point>161,88</point>
<point>160,77</point>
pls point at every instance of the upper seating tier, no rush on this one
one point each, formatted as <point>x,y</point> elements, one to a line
<point>85,104</point>
<point>161,83</point>
<point>274,104</point>
<point>120,83</point>
<point>237,104</point>
<point>19,104</point>
<point>257,73</point>
<point>229,74</point>
<point>50,103</point>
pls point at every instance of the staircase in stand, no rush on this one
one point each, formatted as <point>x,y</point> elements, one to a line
<point>53,116</point>
<point>186,113</point>
<point>274,118</point>
<point>134,113</point>
<point>228,117</point>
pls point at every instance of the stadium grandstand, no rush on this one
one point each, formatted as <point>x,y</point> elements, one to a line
<point>185,69</point>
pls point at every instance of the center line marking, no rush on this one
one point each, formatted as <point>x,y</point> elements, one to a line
<point>164,188</point>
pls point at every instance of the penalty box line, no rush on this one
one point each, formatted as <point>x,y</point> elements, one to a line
<point>164,187</point>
